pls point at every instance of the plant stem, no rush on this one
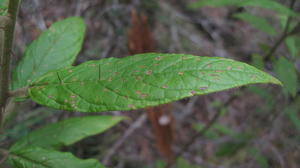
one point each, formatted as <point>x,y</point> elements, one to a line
<point>6,36</point>
<point>286,32</point>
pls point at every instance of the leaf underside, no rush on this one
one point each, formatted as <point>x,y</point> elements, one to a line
<point>55,48</point>
<point>66,132</point>
<point>141,80</point>
<point>36,157</point>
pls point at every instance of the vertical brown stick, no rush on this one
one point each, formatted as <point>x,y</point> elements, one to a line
<point>6,42</point>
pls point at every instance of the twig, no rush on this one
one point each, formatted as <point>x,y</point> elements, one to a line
<point>137,124</point>
<point>201,132</point>
<point>19,92</point>
<point>6,41</point>
<point>286,32</point>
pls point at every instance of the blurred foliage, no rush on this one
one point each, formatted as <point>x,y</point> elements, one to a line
<point>287,73</point>
<point>3,7</point>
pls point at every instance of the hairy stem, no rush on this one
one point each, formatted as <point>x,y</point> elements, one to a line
<point>6,43</point>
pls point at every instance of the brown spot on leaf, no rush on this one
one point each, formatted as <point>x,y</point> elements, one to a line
<point>253,77</point>
<point>180,73</point>
<point>92,65</point>
<point>157,58</point>
<point>239,68</point>
<point>193,92</point>
<point>213,75</point>
<point>149,72</point>
<point>131,106</point>
<point>203,88</point>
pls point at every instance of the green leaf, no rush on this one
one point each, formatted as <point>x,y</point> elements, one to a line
<point>261,159</point>
<point>231,147</point>
<point>141,80</point>
<point>216,130</point>
<point>182,163</point>
<point>287,73</point>
<point>3,7</point>
<point>267,4</point>
<point>257,61</point>
<point>67,132</point>
<point>54,49</point>
<point>257,22</point>
<point>293,48</point>
<point>36,157</point>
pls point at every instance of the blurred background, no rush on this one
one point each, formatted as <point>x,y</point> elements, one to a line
<point>254,127</point>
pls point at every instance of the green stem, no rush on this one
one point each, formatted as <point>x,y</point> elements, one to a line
<point>6,36</point>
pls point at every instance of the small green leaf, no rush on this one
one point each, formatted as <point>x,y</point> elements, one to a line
<point>54,49</point>
<point>66,132</point>
<point>231,147</point>
<point>257,22</point>
<point>3,7</point>
<point>267,4</point>
<point>257,61</point>
<point>35,157</point>
<point>261,159</point>
<point>287,73</point>
<point>182,163</point>
<point>141,80</point>
<point>293,48</point>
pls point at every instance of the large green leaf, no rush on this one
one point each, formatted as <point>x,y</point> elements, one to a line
<point>35,157</point>
<point>287,73</point>
<point>267,4</point>
<point>257,22</point>
<point>140,81</point>
<point>66,132</point>
<point>54,49</point>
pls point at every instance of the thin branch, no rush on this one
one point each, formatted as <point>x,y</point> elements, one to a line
<point>6,37</point>
<point>286,32</point>
<point>201,132</point>
<point>137,124</point>
<point>19,92</point>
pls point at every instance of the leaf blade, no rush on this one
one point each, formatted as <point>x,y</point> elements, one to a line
<point>257,22</point>
<point>66,132</point>
<point>141,80</point>
<point>42,158</point>
<point>282,67</point>
<point>55,48</point>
